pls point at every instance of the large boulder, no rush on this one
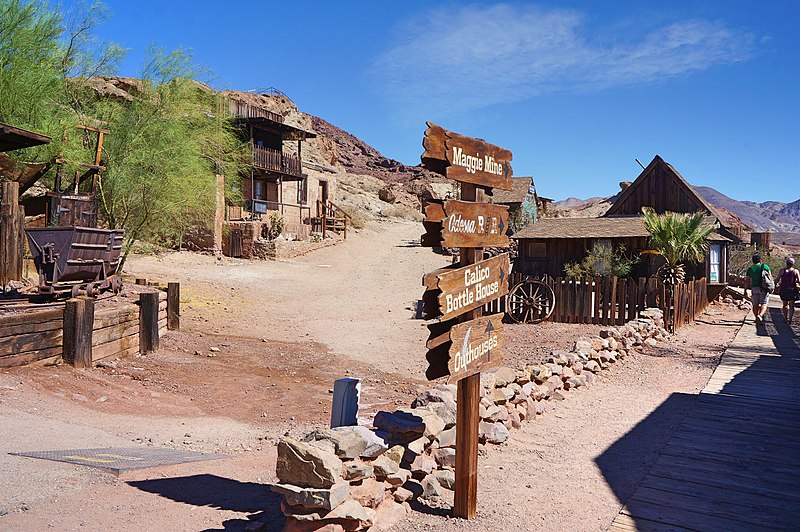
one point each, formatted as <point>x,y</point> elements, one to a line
<point>306,466</point>
<point>350,442</point>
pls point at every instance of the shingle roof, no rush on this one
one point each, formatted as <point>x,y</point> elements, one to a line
<point>622,226</point>
<point>606,227</point>
<point>516,194</point>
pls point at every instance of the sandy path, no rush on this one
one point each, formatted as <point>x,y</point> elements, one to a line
<point>357,297</point>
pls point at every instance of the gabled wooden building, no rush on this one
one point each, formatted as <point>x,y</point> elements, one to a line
<point>544,248</point>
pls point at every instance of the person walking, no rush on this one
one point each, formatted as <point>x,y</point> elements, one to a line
<point>760,296</point>
<point>788,282</point>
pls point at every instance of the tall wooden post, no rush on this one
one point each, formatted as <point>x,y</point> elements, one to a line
<point>9,232</point>
<point>468,398</point>
<point>148,322</point>
<point>174,306</point>
<point>219,214</point>
<point>78,325</point>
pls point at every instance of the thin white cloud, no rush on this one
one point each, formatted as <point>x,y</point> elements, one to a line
<point>476,56</point>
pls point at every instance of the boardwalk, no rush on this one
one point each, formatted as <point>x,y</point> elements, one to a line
<point>733,462</point>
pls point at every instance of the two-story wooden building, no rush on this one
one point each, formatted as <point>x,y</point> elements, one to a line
<point>544,248</point>
<point>276,181</point>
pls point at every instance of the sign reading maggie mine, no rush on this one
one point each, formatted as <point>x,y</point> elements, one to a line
<point>452,292</point>
<point>466,348</point>
<point>462,224</point>
<point>466,159</point>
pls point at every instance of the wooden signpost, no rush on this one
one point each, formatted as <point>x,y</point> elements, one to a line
<point>461,224</point>
<point>462,343</point>
<point>451,292</point>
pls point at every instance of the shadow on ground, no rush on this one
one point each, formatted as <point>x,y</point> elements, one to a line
<point>722,460</point>
<point>222,493</point>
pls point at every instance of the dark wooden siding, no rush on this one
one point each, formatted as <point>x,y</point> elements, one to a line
<point>660,189</point>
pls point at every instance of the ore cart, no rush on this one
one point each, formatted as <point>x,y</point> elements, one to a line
<point>74,260</point>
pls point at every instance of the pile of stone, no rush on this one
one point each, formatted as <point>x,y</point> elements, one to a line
<point>354,478</point>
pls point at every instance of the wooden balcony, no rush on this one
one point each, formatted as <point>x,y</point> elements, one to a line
<point>276,161</point>
<point>239,109</point>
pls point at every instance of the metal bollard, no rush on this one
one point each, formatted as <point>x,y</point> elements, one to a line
<point>346,394</point>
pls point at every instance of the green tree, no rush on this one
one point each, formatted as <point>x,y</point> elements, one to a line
<point>679,238</point>
<point>164,151</point>
<point>602,260</point>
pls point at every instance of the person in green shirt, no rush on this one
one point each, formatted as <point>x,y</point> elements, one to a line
<point>760,297</point>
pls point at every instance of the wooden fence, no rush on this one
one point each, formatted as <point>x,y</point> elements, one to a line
<point>38,336</point>
<point>607,300</point>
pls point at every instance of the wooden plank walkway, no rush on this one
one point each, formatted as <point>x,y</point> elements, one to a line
<point>733,463</point>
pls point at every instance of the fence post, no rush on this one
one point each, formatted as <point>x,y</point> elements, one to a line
<point>78,325</point>
<point>148,322</point>
<point>174,306</point>
<point>10,258</point>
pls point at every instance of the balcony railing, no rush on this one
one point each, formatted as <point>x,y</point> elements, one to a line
<point>276,161</point>
<point>240,109</point>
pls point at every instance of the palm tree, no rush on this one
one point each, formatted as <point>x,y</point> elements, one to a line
<point>679,238</point>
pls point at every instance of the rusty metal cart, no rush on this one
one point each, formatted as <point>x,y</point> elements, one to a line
<point>75,260</point>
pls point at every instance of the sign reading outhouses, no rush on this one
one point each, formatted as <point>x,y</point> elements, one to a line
<point>463,343</point>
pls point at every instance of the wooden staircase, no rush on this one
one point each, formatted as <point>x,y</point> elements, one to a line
<point>331,217</point>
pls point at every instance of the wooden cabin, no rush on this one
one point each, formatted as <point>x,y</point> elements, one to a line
<point>276,181</point>
<point>545,248</point>
<point>524,204</point>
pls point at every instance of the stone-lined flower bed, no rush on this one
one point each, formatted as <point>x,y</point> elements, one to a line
<point>356,478</point>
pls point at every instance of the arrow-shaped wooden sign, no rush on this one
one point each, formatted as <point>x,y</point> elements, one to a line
<point>466,159</point>
<point>452,292</point>
<point>464,224</point>
<point>466,348</point>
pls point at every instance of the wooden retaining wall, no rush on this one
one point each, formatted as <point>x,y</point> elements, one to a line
<point>37,336</point>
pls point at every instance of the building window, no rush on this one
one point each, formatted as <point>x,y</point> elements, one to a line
<point>302,191</point>
<point>259,192</point>
<point>714,252</point>
<point>536,250</point>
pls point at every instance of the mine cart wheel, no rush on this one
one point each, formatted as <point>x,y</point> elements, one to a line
<point>530,302</point>
<point>76,290</point>
<point>93,289</point>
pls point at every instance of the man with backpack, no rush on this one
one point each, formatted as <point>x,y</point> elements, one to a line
<point>789,283</point>
<point>760,279</point>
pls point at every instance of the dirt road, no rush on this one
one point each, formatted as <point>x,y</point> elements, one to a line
<point>357,298</point>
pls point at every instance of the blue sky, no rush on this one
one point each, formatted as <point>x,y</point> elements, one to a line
<point>576,90</point>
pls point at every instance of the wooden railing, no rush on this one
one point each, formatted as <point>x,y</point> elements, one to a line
<point>276,161</point>
<point>331,217</point>
<point>262,207</point>
<point>240,109</point>
<point>614,301</point>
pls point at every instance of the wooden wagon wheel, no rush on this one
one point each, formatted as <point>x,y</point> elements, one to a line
<point>530,302</point>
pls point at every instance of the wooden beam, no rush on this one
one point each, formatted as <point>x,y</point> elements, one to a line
<point>78,325</point>
<point>174,306</point>
<point>148,322</point>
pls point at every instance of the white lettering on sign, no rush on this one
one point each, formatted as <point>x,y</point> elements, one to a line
<point>492,166</point>
<point>482,226</point>
<point>472,353</point>
<point>457,224</point>
<point>478,274</point>
<point>471,163</point>
<point>475,291</point>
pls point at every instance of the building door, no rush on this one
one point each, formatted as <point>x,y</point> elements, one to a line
<point>714,253</point>
<point>322,198</point>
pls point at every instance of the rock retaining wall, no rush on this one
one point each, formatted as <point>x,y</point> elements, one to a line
<point>355,478</point>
